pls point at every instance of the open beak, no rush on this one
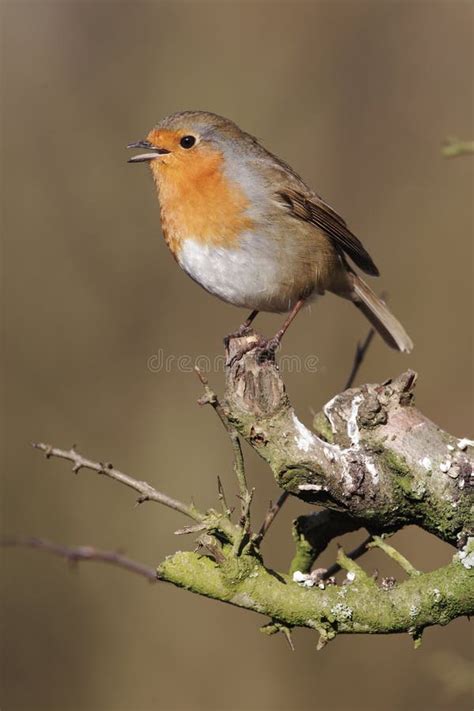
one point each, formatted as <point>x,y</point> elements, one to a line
<point>154,152</point>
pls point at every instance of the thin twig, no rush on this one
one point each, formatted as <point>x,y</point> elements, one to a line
<point>211,398</point>
<point>392,552</point>
<point>82,553</point>
<point>359,356</point>
<point>353,555</point>
<point>271,514</point>
<point>221,495</point>
<point>454,147</point>
<point>146,491</point>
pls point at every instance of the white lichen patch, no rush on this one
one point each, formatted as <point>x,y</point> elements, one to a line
<point>426,463</point>
<point>329,454</point>
<point>350,576</point>
<point>311,487</point>
<point>372,469</point>
<point>466,554</point>
<point>414,612</point>
<point>437,594</point>
<point>341,612</point>
<point>464,443</point>
<point>303,579</point>
<point>352,427</point>
<point>304,438</point>
<point>327,411</point>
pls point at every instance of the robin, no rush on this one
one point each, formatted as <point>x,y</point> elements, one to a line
<point>247,228</point>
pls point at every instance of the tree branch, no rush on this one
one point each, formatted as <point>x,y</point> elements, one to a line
<point>372,456</point>
<point>361,606</point>
<point>146,491</point>
<point>454,147</point>
<point>378,542</point>
<point>84,553</point>
<point>211,398</point>
<point>373,461</point>
<point>210,520</point>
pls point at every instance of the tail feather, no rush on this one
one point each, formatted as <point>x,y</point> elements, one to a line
<point>379,316</point>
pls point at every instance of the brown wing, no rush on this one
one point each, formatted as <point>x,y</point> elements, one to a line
<point>318,213</point>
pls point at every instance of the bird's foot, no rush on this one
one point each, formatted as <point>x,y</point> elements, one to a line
<point>237,347</point>
<point>243,330</point>
<point>265,348</point>
<point>268,348</point>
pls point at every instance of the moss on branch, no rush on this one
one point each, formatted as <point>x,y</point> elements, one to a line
<point>360,606</point>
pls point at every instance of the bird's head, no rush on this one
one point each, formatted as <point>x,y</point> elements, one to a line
<point>187,140</point>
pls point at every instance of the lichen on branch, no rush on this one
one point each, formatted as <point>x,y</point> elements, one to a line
<point>372,461</point>
<point>372,455</point>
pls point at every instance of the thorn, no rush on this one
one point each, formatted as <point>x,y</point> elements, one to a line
<point>322,642</point>
<point>201,376</point>
<point>220,488</point>
<point>222,498</point>
<point>190,529</point>
<point>287,632</point>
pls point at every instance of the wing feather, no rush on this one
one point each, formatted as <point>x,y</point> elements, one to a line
<point>315,211</point>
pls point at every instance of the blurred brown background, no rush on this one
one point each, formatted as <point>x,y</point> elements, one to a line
<point>358,97</point>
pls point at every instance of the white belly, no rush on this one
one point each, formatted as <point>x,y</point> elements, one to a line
<point>249,275</point>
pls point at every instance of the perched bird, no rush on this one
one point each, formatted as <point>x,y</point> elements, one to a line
<point>247,228</point>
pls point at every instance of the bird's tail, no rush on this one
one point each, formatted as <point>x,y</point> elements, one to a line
<point>379,316</point>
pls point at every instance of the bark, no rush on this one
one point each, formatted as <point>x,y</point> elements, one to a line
<point>372,456</point>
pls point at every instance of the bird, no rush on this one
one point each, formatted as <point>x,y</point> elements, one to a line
<point>247,228</point>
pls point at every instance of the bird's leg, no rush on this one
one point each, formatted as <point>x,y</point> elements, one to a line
<point>267,349</point>
<point>274,342</point>
<point>242,329</point>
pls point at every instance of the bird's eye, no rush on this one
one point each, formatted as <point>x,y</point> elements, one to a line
<point>187,141</point>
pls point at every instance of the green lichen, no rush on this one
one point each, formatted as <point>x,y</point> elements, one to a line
<point>422,600</point>
<point>291,477</point>
<point>235,570</point>
<point>396,463</point>
<point>322,427</point>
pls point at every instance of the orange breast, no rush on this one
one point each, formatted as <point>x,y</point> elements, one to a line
<point>197,200</point>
